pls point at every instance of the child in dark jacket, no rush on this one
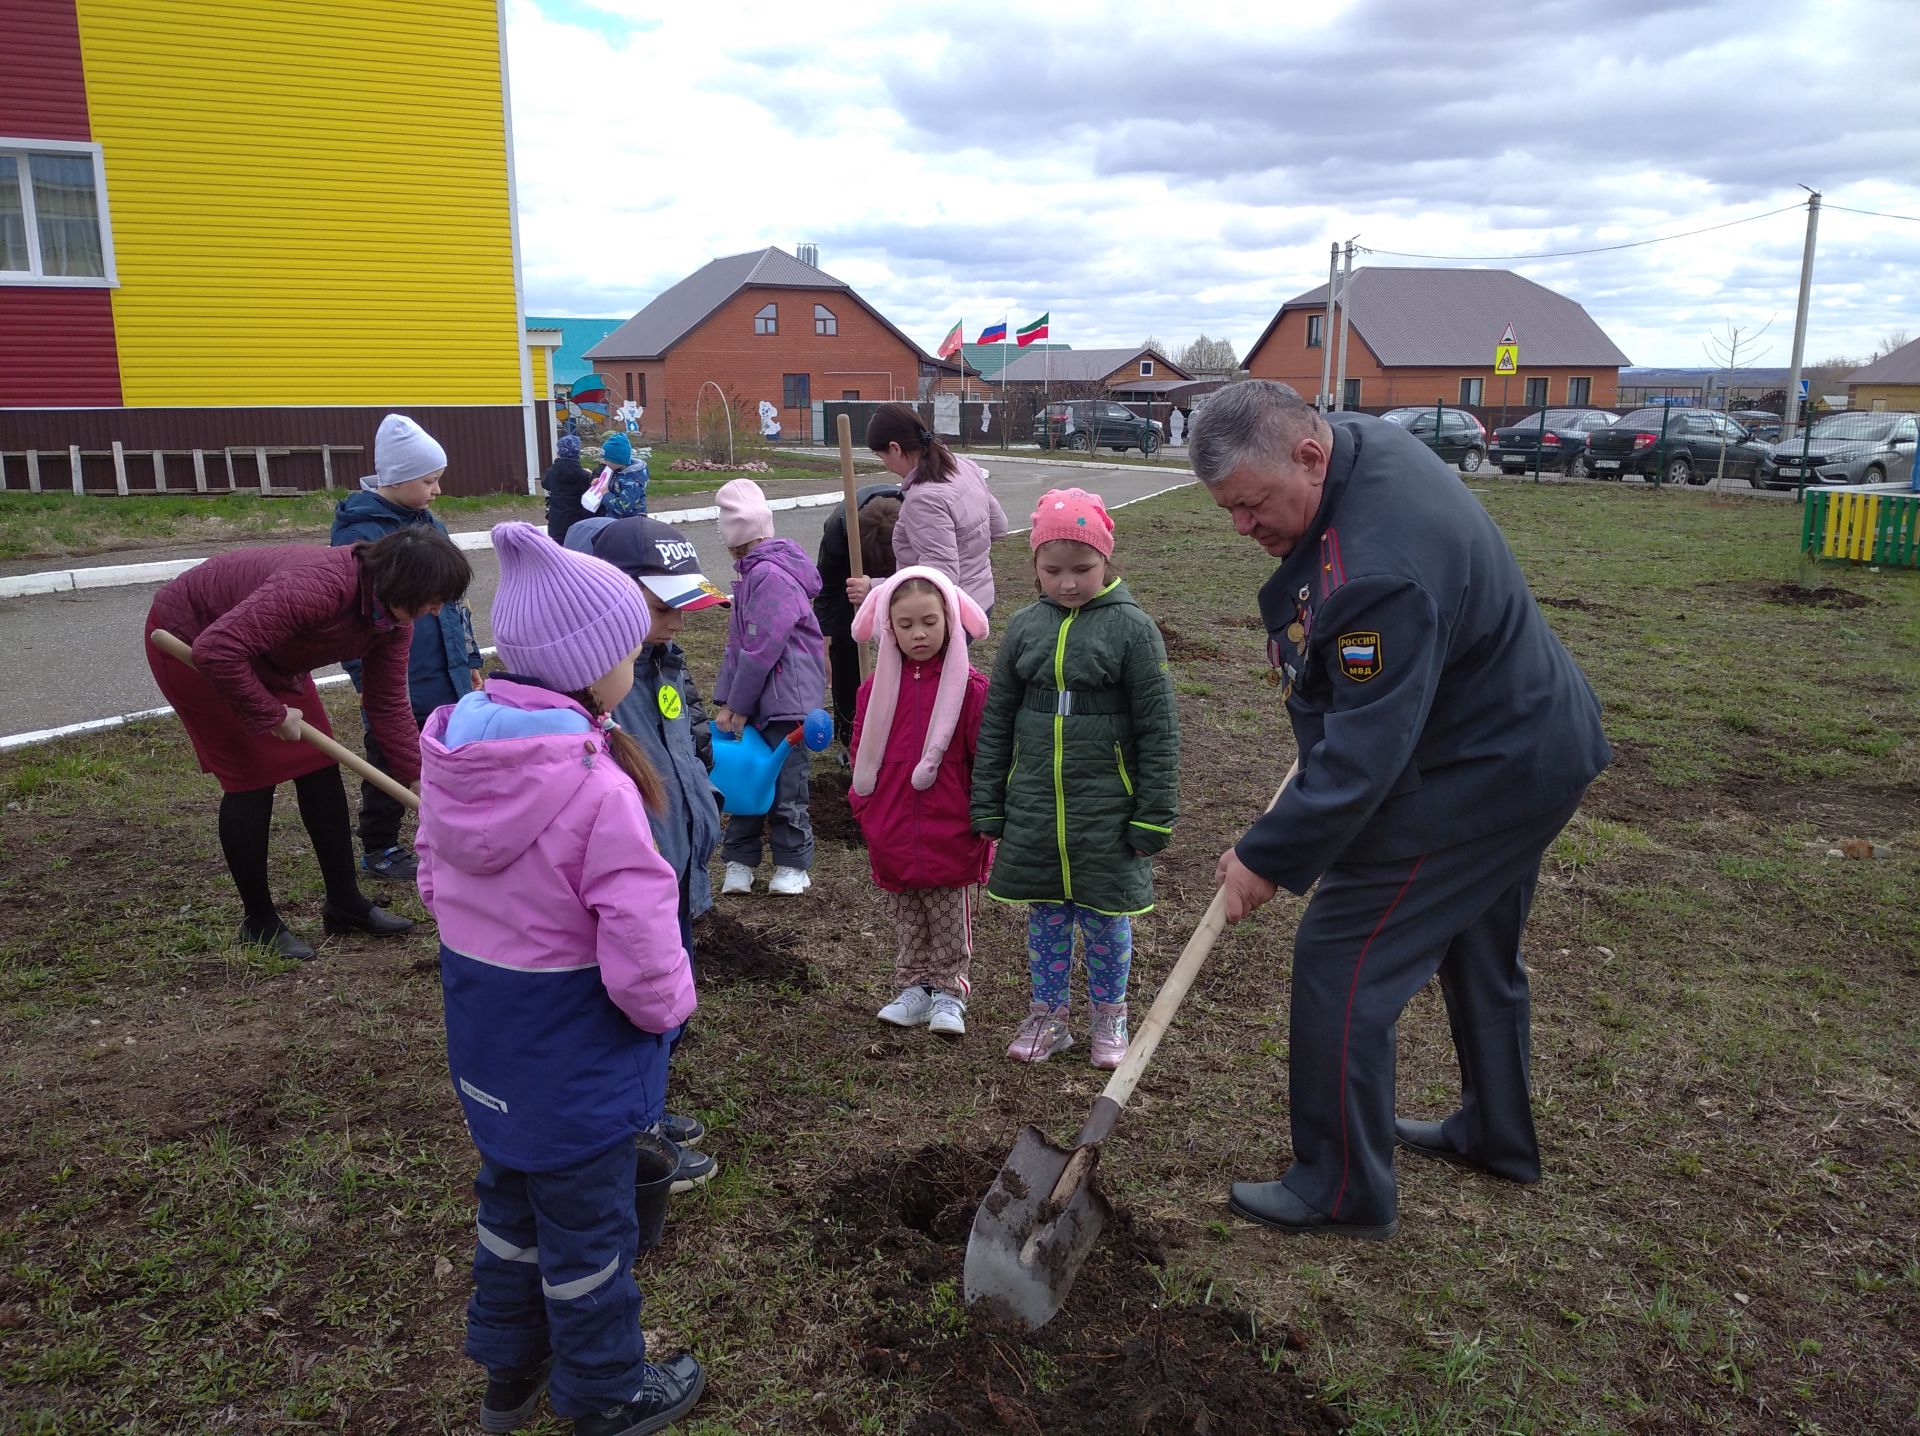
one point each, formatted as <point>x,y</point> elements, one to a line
<point>444,662</point>
<point>773,675</point>
<point>915,727</point>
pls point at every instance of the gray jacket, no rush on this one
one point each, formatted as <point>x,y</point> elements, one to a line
<point>689,830</point>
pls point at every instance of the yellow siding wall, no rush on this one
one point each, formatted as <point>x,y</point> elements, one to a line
<point>309,200</point>
<point>1897,397</point>
<point>537,356</point>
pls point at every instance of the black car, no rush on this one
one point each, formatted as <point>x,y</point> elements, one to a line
<point>1459,438</point>
<point>1083,424</point>
<point>1689,453</point>
<point>1763,424</point>
<point>1562,446</point>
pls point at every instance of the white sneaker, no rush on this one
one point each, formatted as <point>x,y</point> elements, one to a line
<point>948,1017</point>
<point>788,882</point>
<point>910,1008</point>
<point>739,879</point>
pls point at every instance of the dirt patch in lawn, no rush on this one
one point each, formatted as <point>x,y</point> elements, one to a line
<point>1181,649</point>
<point>833,820</point>
<point>1797,595</point>
<point>1114,1360</point>
<point>727,952</point>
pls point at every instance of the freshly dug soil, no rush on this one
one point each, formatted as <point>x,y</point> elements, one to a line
<point>1181,649</point>
<point>1112,1361</point>
<point>1826,596</point>
<point>833,820</point>
<point>728,952</point>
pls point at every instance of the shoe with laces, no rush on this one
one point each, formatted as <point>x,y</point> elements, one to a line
<point>1109,1035</point>
<point>911,1008</point>
<point>667,1393</point>
<point>681,1131</point>
<point>1041,1035</point>
<point>512,1397</point>
<point>948,1015</point>
<point>789,882</point>
<point>739,879</point>
<point>395,864</point>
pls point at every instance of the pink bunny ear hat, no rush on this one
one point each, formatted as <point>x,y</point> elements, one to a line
<point>964,617</point>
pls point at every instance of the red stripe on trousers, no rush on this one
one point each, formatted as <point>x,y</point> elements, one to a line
<point>1347,1028</point>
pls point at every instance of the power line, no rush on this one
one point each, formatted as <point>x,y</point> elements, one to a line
<point>1877,214</point>
<point>1599,249</point>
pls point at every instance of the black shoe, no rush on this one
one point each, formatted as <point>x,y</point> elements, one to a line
<point>282,942</point>
<point>1274,1204</point>
<point>1428,1140</point>
<point>668,1393</point>
<point>696,1169</point>
<point>395,864</point>
<point>681,1131</point>
<point>512,1397</point>
<point>378,921</point>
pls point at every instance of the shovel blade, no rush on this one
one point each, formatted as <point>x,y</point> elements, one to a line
<point>1023,1253</point>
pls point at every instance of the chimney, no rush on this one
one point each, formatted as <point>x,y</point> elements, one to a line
<point>807,254</point>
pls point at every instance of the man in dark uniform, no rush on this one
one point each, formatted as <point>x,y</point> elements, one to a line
<point>1445,738</point>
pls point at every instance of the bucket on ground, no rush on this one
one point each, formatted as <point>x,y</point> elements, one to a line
<point>656,1159</point>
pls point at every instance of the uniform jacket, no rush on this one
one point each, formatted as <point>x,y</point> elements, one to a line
<point>666,718</point>
<point>1430,701</point>
<point>952,526</point>
<point>924,839</point>
<point>559,925</point>
<point>836,561</point>
<point>775,666</point>
<point>444,655</point>
<point>1079,759</point>
<point>260,619</point>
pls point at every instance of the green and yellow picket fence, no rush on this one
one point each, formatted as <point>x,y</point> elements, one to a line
<point>1862,526</point>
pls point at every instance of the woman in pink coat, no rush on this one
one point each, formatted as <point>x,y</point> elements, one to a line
<point>916,724</point>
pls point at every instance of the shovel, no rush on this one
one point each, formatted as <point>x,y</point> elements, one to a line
<point>1044,1213</point>
<point>346,757</point>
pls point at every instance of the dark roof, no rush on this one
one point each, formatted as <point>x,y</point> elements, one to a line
<point>1083,365</point>
<point>1454,317</point>
<point>676,312</point>
<point>1902,366</point>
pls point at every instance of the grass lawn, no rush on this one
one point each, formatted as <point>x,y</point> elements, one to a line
<point>234,1191</point>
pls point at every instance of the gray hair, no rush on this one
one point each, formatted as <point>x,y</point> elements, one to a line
<point>1254,419</point>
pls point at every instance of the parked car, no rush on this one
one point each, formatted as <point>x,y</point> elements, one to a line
<point>1563,446</point>
<point>1461,439</point>
<point>1083,424</point>
<point>1863,448</point>
<point>1690,453</point>
<point>1763,424</point>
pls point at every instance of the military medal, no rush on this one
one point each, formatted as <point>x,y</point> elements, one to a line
<point>1296,631</point>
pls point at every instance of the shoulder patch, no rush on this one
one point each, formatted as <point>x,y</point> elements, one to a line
<point>1359,654</point>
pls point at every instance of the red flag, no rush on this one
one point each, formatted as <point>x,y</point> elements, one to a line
<point>949,346</point>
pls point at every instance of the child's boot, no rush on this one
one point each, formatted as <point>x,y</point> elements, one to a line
<point>1109,1035</point>
<point>669,1391</point>
<point>789,882</point>
<point>948,1015</point>
<point>911,1008</point>
<point>739,880</point>
<point>512,1397</point>
<point>1041,1035</point>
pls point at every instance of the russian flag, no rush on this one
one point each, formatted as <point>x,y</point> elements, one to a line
<point>993,334</point>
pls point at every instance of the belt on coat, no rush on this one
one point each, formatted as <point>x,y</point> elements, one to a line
<point>1069,702</point>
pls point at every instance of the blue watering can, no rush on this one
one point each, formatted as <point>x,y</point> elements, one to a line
<point>746,769</point>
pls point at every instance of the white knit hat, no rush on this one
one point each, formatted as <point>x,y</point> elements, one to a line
<point>403,452</point>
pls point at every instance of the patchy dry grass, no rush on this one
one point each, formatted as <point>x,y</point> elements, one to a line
<point>233,1192</point>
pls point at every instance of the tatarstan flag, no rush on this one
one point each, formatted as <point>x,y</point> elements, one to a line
<point>1030,332</point>
<point>950,345</point>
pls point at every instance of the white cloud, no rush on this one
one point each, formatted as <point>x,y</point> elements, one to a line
<point>1138,169</point>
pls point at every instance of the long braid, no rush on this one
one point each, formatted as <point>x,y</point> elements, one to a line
<point>629,755</point>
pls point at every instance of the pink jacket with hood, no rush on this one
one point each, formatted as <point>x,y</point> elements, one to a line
<point>951,525</point>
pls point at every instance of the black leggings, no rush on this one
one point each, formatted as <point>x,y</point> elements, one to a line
<point>245,820</point>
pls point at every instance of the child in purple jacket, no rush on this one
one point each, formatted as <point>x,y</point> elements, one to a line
<point>773,675</point>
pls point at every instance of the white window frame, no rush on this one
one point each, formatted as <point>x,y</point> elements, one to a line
<point>1146,368</point>
<point>15,151</point>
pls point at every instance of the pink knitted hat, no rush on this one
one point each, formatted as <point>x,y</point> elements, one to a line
<point>965,619</point>
<point>1074,515</point>
<point>564,618</point>
<point>744,514</point>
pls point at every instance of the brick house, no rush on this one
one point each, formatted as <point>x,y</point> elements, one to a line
<point>763,326</point>
<point>1124,373</point>
<point>1424,336</point>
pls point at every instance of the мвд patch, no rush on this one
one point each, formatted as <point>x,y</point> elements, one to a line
<point>1360,655</point>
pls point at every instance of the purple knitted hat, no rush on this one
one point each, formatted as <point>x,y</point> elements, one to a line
<point>564,618</point>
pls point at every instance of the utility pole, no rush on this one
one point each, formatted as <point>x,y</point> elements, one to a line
<point>1791,419</point>
<point>1346,323</point>
<point>1325,401</point>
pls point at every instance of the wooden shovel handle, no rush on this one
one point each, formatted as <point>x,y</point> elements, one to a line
<point>345,757</point>
<point>850,521</point>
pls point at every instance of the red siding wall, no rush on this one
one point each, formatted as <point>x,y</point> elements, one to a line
<point>43,93</point>
<point>56,347</point>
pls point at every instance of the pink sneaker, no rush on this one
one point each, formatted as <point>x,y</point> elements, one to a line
<point>1109,1034</point>
<point>1041,1035</point>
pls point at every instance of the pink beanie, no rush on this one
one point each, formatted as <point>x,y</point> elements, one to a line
<point>744,515</point>
<point>564,618</point>
<point>965,619</point>
<point>1076,516</point>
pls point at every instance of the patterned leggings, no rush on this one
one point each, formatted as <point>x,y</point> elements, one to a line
<point>1107,949</point>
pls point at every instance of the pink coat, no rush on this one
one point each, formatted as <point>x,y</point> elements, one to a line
<point>915,838</point>
<point>952,526</point>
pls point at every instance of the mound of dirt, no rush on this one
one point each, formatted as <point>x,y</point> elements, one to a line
<point>1799,596</point>
<point>727,952</point>
<point>833,820</point>
<point>1113,1360</point>
<point>1180,648</point>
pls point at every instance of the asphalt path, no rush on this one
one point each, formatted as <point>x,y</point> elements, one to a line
<point>73,657</point>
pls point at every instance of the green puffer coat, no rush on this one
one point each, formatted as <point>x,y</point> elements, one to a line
<point>1079,757</point>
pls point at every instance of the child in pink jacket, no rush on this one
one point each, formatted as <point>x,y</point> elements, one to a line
<point>916,725</point>
<point>565,983</point>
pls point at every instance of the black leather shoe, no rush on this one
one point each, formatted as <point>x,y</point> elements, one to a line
<point>283,942</point>
<point>1273,1204</point>
<point>378,921</point>
<point>668,1393</point>
<point>1427,1139</point>
<point>512,1397</point>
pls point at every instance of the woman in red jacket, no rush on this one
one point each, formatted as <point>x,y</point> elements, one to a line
<point>916,725</point>
<point>259,620</point>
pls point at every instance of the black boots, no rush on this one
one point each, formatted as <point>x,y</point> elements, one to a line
<point>512,1397</point>
<point>668,1393</point>
<point>378,921</point>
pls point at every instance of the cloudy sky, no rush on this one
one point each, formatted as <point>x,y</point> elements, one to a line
<point>1138,170</point>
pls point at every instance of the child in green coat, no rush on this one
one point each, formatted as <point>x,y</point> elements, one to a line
<point>1077,773</point>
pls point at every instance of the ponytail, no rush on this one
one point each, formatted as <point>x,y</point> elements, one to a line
<point>629,755</point>
<point>897,424</point>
